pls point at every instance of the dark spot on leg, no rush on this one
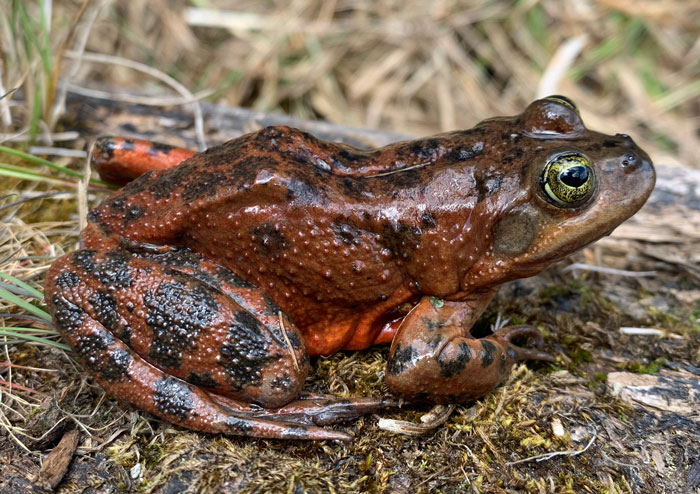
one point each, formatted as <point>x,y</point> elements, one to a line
<point>125,334</point>
<point>67,279</point>
<point>431,325</point>
<point>202,379</point>
<point>489,353</point>
<point>91,347</point>
<point>294,340</point>
<point>238,424</point>
<point>104,148</point>
<point>114,269</point>
<point>400,360</point>
<point>177,313</point>
<point>245,352</point>
<point>454,366</point>
<point>271,307</point>
<point>104,307</point>
<point>67,316</point>
<point>84,259</point>
<point>116,365</point>
<point>94,215</point>
<point>173,397</point>
<point>159,147</point>
<point>282,383</point>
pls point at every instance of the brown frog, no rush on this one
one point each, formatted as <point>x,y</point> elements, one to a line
<point>201,290</point>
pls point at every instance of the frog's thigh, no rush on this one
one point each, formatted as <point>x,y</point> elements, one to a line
<point>127,375</point>
<point>183,326</point>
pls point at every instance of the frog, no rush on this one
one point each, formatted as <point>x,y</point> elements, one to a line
<point>203,287</point>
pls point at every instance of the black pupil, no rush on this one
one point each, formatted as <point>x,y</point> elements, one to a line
<point>575,176</point>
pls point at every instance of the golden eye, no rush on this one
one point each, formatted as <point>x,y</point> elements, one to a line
<point>562,100</point>
<point>568,179</point>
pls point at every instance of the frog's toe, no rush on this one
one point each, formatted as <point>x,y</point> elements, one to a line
<point>518,353</point>
<point>327,410</point>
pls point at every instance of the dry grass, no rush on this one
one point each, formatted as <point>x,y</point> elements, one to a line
<point>411,66</point>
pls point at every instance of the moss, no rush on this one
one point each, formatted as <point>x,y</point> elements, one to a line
<point>643,368</point>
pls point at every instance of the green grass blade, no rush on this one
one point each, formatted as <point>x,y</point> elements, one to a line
<point>8,277</point>
<point>24,174</point>
<point>41,161</point>
<point>16,289</point>
<point>27,337</point>
<point>49,332</point>
<point>31,308</point>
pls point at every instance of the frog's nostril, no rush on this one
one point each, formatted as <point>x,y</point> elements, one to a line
<point>630,160</point>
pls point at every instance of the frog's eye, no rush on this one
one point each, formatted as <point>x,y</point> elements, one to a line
<point>568,179</point>
<point>563,100</point>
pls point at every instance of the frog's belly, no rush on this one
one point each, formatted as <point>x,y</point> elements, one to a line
<point>343,329</point>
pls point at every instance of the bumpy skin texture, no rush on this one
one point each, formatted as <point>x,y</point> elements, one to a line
<point>205,287</point>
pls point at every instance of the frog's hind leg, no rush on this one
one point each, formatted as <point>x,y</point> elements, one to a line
<point>128,376</point>
<point>163,341</point>
<point>120,160</point>
<point>308,409</point>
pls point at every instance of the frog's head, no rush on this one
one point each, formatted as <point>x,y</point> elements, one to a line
<point>575,186</point>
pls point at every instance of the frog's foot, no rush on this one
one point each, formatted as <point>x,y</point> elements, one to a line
<point>120,160</point>
<point>313,409</point>
<point>507,335</point>
<point>164,339</point>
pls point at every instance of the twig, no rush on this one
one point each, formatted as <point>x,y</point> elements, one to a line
<point>434,418</point>
<point>196,108</point>
<point>53,151</point>
<point>22,136</point>
<point>289,343</point>
<point>549,456</point>
<point>649,332</point>
<point>600,269</point>
<point>559,65</point>
<point>138,99</point>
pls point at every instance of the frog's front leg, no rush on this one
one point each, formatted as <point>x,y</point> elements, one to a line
<point>435,358</point>
<point>172,333</point>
